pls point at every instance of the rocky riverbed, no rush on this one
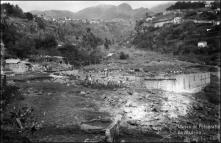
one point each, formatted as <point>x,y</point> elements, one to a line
<point>63,108</point>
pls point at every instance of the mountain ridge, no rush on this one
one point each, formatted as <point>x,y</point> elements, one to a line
<point>161,7</point>
<point>106,12</point>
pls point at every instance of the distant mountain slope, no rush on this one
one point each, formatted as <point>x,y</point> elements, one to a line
<point>54,13</point>
<point>161,8</point>
<point>106,12</point>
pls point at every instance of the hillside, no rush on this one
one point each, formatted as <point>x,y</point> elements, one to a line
<point>161,7</point>
<point>78,80</point>
<point>182,39</point>
<point>105,12</point>
<point>24,36</point>
<point>53,13</point>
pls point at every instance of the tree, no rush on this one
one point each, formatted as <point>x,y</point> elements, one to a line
<point>138,26</point>
<point>72,53</point>
<point>12,10</point>
<point>186,5</point>
<point>24,47</point>
<point>29,16</point>
<point>107,43</point>
<point>46,44</point>
<point>40,22</point>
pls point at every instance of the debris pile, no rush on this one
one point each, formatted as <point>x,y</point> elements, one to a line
<point>22,119</point>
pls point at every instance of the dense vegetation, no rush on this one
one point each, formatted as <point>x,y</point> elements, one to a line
<point>186,5</point>
<point>25,35</point>
<point>11,10</point>
<point>84,53</point>
<point>192,5</point>
<point>181,39</point>
<point>205,15</point>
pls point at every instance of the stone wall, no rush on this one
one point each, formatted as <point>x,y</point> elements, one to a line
<point>180,83</point>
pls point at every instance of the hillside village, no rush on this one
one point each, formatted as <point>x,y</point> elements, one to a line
<point>178,16</point>
<point>196,28</point>
<point>136,76</point>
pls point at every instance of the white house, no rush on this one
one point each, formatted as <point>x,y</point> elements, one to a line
<point>177,20</point>
<point>150,18</point>
<point>207,5</point>
<point>17,66</point>
<point>202,44</point>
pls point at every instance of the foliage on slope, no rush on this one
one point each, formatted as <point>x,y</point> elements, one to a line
<point>186,5</point>
<point>24,37</point>
<point>181,40</point>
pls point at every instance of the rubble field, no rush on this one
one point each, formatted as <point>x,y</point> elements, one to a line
<point>67,108</point>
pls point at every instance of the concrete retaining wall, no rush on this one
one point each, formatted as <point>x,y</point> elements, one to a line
<point>180,83</point>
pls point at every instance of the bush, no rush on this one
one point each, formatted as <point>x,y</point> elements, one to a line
<point>24,47</point>
<point>9,92</point>
<point>182,40</point>
<point>78,56</point>
<point>123,56</point>
<point>29,16</point>
<point>41,23</point>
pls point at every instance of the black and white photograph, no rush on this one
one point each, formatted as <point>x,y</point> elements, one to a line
<point>110,71</point>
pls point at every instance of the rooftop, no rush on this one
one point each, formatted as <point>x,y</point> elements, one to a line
<point>12,61</point>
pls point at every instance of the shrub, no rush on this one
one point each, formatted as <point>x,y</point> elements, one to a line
<point>29,16</point>
<point>123,56</point>
<point>78,56</point>
<point>10,92</point>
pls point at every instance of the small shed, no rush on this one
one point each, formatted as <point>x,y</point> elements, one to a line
<point>17,66</point>
<point>202,44</point>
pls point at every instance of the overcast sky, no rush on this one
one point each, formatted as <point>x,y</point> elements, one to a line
<point>77,5</point>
